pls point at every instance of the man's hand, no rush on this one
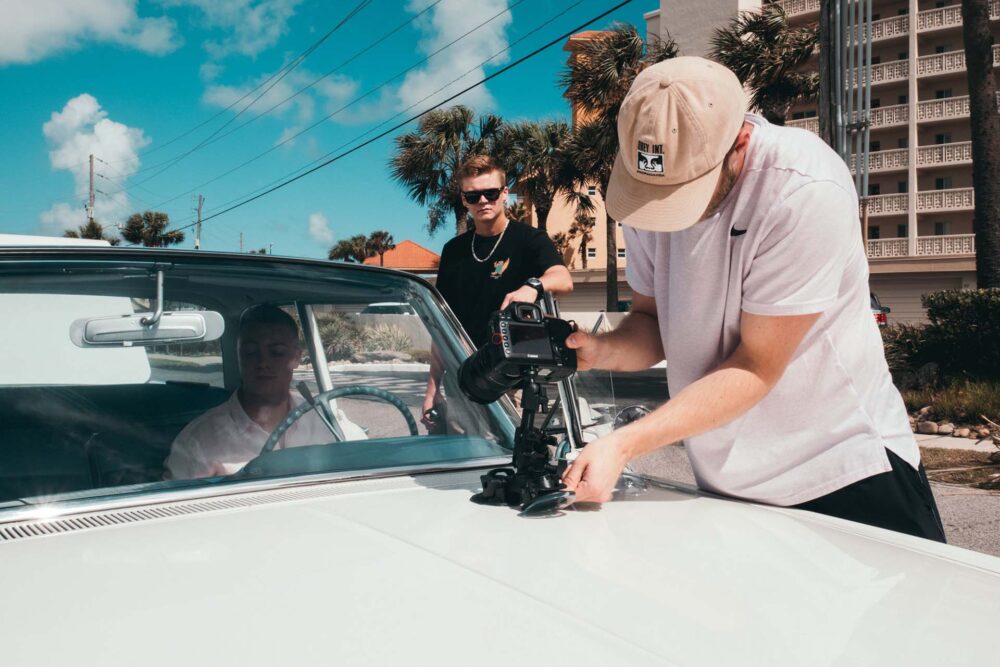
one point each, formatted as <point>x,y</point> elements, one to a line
<point>592,477</point>
<point>586,347</point>
<point>523,293</point>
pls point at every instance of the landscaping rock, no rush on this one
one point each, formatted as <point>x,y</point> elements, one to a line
<point>923,411</point>
<point>380,356</point>
<point>983,432</point>
<point>961,433</point>
<point>928,428</point>
<point>974,436</point>
<point>946,429</point>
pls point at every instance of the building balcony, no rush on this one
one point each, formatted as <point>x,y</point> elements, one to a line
<point>798,7</point>
<point>949,17</point>
<point>891,28</point>
<point>952,62</point>
<point>941,201</point>
<point>891,72</point>
<point>927,246</point>
<point>888,204</point>
<point>884,161</point>
<point>943,155</point>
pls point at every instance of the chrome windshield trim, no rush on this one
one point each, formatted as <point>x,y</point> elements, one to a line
<point>60,509</point>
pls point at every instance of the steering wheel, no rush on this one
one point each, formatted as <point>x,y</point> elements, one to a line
<point>350,390</point>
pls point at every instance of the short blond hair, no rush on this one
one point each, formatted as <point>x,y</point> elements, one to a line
<point>481,164</point>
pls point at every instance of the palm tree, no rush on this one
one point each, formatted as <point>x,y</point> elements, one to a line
<point>767,55</point>
<point>562,241</point>
<point>517,212</point>
<point>354,249</point>
<point>150,229</point>
<point>379,243</point>
<point>426,160</point>
<point>91,230</point>
<point>985,122</point>
<point>582,228</point>
<point>597,78</point>
<point>533,159</point>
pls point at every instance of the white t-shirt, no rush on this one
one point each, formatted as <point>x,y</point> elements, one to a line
<point>224,439</point>
<point>785,241</point>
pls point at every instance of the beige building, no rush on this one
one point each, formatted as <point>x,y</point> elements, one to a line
<point>920,236</point>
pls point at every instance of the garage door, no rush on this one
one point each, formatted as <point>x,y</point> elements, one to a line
<point>902,292</point>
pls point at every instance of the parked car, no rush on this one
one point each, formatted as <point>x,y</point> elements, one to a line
<point>368,551</point>
<point>879,311</point>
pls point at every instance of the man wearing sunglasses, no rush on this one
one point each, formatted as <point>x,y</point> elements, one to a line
<point>497,262</point>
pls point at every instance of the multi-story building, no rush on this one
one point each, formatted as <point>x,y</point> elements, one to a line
<point>920,199</point>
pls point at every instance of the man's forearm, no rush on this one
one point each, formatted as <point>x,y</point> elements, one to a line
<point>557,279</point>
<point>634,345</point>
<point>711,402</point>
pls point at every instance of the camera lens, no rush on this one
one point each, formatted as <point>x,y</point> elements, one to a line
<point>480,381</point>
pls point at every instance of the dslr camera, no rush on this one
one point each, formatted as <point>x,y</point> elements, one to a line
<point>520,338</point>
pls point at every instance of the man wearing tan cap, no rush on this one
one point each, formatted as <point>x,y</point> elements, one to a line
<point>745,257</point>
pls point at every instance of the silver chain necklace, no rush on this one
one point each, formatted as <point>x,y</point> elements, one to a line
<point>495,245</point>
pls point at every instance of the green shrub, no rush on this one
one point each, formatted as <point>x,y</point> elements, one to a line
<point>341,334</point>
<point>386,337</point>
<point>905,352</point>
<point>963,401</point>
<point>964,332</point>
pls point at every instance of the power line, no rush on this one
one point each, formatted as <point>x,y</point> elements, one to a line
<point>403,111</point>
<point>348,105</point>
<point>287,70</point>
<point>502,70</point>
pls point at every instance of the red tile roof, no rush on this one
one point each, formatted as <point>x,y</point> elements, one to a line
<point>408,256</point>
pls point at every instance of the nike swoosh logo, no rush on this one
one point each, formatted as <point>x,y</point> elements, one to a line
<point>737,232</point>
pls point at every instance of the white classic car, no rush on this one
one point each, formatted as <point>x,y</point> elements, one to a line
<point>367,550</point>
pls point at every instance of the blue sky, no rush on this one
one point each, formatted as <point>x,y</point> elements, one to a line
<point>121,79</point>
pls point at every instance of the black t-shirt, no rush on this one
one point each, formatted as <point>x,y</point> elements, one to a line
<point>475,290</point>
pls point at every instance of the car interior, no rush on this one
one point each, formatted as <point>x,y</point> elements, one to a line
<point>91,435</point>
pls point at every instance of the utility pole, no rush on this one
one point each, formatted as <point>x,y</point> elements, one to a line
<point>90,202</point>
<point>241,242</point>
<point>197,227</point>
<point>270,248</point>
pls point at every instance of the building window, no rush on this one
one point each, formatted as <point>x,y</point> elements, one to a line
<point>876,17</point>
<point>874,146</point>
<point>876,103</point>
<point>903,55</point>
<point>810,114</point>
<point>591,253</point>
<point>902,11</point>
<point>904,99</point>
<point>943,183</point>
<point>798,115</point>
<point>903,142</point>
<point>592,190</point>
<point>943,138</point>
<point>874,232</point>
<point>901,231</point>
<point>942,48</point>
<point>876,59</point>
<point>902,187</point>
<point>939,4</point>
<point>942,228</point>
<point>874,189</point>
<point>942,94</point>
<point>621,253</point>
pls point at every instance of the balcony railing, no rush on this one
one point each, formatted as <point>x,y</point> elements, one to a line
<point>894,26</point>
<point>954,244</point>
<point>879,248</point>
<point>897,114</point>
<point>894,160</point>
<point>945,154</point>
<point>946,63</point>
<point>888,204</point>
<point>892,71</point>
<point>944,109</point>
<point>927,246</point>
<point>957,199</point>
<point>949,17</point>
<point>811,124</point>
<point>797,7</point>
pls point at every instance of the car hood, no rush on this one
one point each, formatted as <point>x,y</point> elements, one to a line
<point>390,570</point>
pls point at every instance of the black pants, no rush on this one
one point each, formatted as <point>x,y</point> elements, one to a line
<point>899,500</point>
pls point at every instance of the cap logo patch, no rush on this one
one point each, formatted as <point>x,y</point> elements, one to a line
<point>650,158</point>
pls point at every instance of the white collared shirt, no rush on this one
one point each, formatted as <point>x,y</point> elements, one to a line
<point>224,439</point>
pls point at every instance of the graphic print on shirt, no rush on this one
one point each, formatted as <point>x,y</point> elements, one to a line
<point>650,158</point>
<point>499,267</point>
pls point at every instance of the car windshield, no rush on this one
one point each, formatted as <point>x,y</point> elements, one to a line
<point>89,411</point>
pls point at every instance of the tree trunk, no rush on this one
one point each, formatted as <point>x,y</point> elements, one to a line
<point>583,253</point>
<point>543,216</point>
<point>985,125</point>
<point>612,274</point>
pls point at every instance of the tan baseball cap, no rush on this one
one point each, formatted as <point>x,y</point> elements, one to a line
<point>678,121</point>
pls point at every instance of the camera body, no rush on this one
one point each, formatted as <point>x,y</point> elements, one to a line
<point>520,337</point>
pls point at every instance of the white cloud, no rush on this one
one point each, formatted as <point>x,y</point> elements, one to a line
<point>446,22</point>
<point>319,229</point>
<point>251,25</point>
<point>330,94</point>
<point>83,128</point>
<point>31,31</point>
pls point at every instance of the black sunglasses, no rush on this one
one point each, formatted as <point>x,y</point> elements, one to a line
<point>472,196</point>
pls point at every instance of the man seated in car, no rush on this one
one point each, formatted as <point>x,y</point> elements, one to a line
<point>224,439</point>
